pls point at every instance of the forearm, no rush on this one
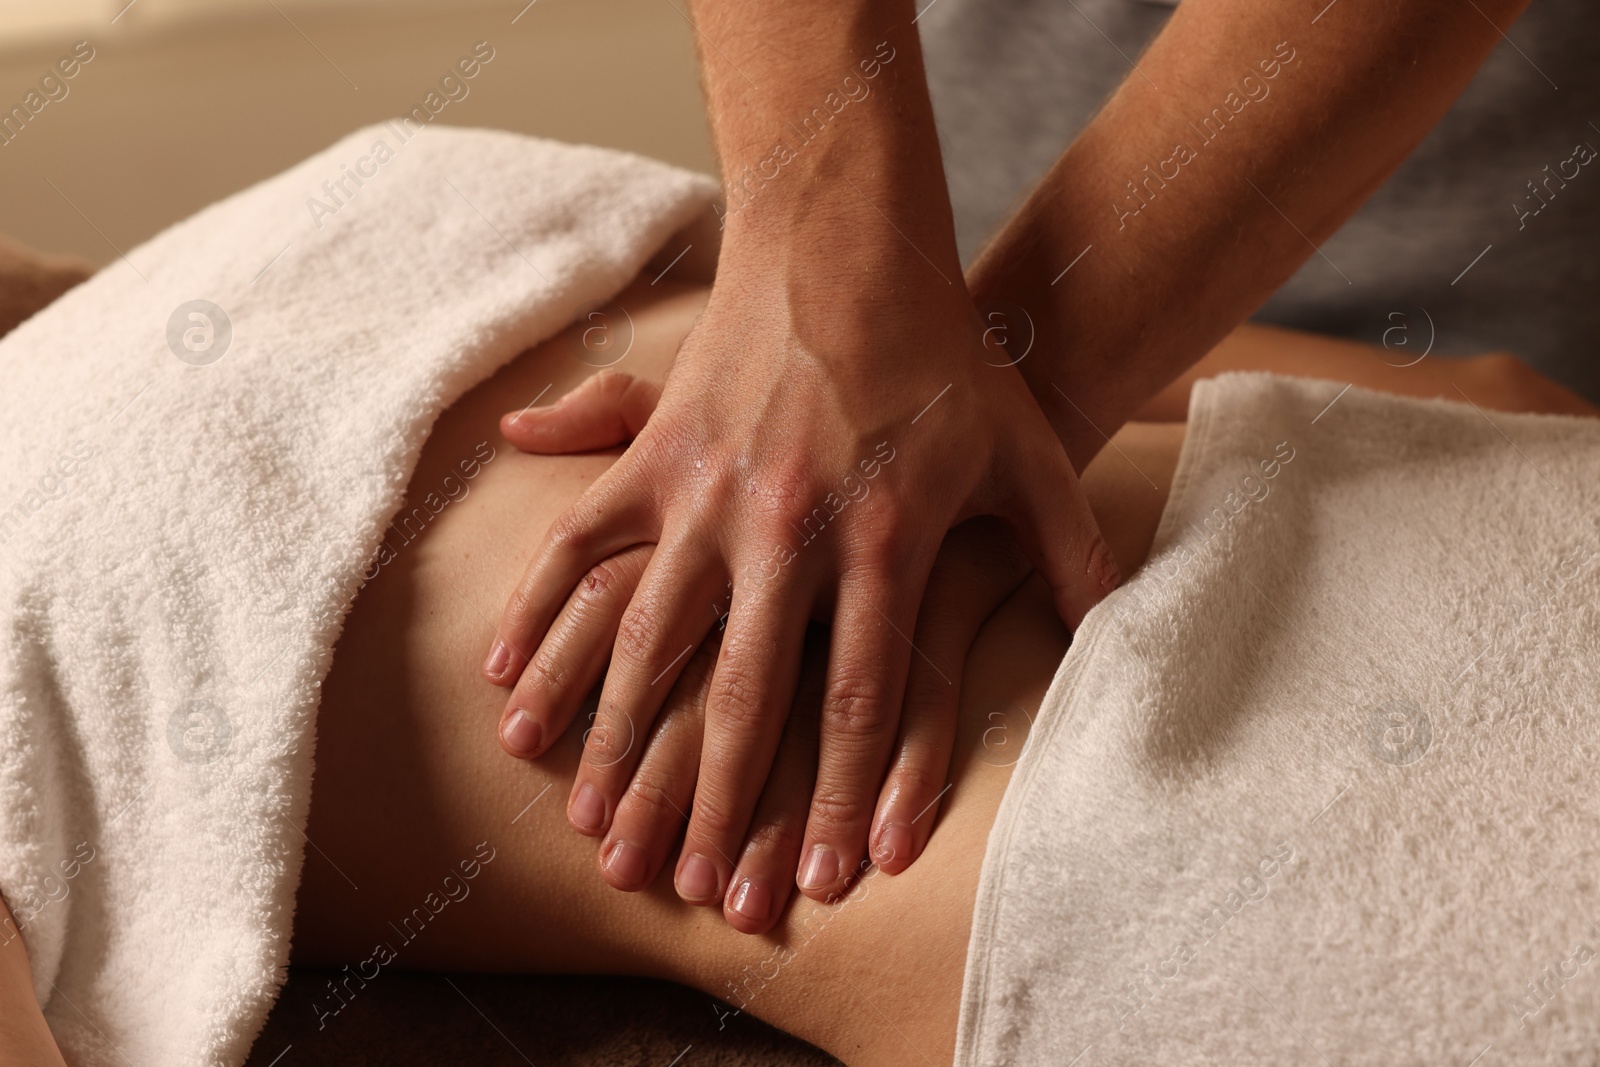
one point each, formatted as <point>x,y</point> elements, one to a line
<point>24,1037</point>
<point>1247,135</point>
<point>824,130</point>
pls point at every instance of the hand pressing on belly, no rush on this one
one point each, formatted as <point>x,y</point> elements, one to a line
<point>643,802</point>
<point>831,415</point>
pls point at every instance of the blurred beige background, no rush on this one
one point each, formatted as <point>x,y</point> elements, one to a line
<point>189,100</point>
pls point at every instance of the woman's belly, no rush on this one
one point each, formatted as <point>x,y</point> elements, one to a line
<point>411,779</point>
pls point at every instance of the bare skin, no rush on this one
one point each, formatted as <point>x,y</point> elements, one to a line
<point>837,236</point>
<point>409,781</point>
<point>410,784</point>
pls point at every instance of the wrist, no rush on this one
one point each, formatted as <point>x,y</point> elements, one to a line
<point>1065,337</point>
<point>846,148</point>
<point>866,189</point>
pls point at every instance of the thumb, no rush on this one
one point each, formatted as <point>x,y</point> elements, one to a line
<point>607,410</point>
<point>1053,524</point>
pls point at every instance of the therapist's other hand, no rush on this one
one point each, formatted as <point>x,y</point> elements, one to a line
<point>977,567</point>
<point>809,452</point>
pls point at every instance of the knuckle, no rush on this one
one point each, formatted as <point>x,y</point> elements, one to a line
<point>914,776</point>
<point>520,610</point>
<point>855,708</point>
<point>636,637</point>
<point>886,538</point>
<point>773,837</point>
<point>836,810</point>
<point>738,699</point>
<point>570,533</point>
<point>714,818</point>
<point>545,673</point>
<point>654,800</point>
<point>659,444</point>
<point>805,513</point>
<point>600,583</point>
<point>784,490</point>
<point>607,741</point>
<point>893,515</point>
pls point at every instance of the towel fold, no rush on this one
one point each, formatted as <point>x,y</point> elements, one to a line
<point>202,445</point>
<point>1316,785</point>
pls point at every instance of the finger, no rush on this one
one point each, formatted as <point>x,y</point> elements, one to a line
<point>761,886</point>
<point>1051,520</point>
<point>656,805</point>
<point>572,656</point>
<point>751,692</point>
<point>606,410</point>
<point>607,519</point>
<point>978,566</point>
<point>870,652</point>
<point>669,615</point>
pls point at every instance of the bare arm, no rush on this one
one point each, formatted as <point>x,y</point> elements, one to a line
<point>830,417</point>
<point>24,1036</point>
<point>1249,132</point>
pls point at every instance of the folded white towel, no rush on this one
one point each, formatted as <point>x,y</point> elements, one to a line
<point>1317,785</point>
<point>188,508</point>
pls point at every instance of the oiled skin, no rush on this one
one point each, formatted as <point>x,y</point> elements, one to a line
<point>411,779</point>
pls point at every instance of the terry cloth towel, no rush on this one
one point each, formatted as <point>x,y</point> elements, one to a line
<point>1317,785</point>
<point>201,446</point>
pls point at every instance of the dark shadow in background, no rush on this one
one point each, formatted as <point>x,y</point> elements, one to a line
<point>419,1020</point>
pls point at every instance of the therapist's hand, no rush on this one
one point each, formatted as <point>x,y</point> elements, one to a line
<point>811,448</point>
<point>830,417</point>
<point>976,568</point>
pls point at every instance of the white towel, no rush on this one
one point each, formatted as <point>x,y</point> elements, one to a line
<point>180,538</point>
<point>1317,785</point>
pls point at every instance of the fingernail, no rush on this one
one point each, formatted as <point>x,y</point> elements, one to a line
<point>499,659</point>
<point>894,843</point>
<point>626,864</point>
<point>588,809</point>
<point>697,879</point>
<point>753,900</point>
<point>1103,568</point>
<point>521,734</point>
<point>821,869</point>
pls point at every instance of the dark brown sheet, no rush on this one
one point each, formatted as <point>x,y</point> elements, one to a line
<point>424,1020</point>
